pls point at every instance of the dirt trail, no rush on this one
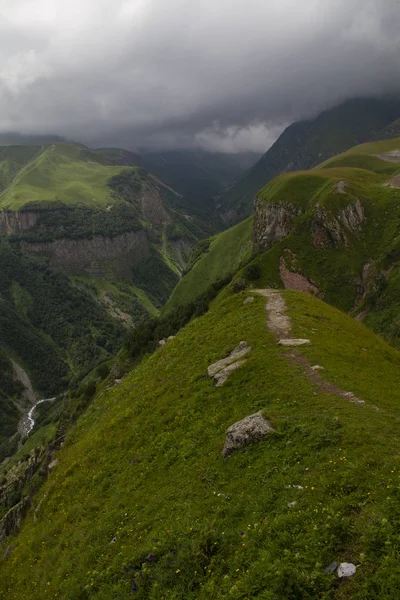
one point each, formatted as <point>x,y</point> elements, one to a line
<point>277,321</point>
<point>279,324</point>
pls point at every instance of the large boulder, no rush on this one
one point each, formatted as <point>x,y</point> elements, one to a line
<point>248,431</point>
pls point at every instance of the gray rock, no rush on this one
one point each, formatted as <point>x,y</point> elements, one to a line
<point>223,375</point>
<point>249,299</point>
<point>294,342</point>
<point>273,222</point>
<point>12,520</point>
<point>236,354</point>
<point>350,396</point>
<point>162,342</point>
<point>248,431</point>
<point>346,570</point>
<point>317,368</point>
<point>53,464</point>
<point>331,568</point>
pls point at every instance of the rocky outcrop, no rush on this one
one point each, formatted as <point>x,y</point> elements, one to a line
<point>273,222</point>
<point>94,255</point>
<point>11,522</point>
<point>152,207</point>
<point>330,229</point>
<point>221,369</point>
<point>223,375</point>
<point>17,488</point>
<point>352,216</point>
<point>249,430</point>
<point>16,222</point>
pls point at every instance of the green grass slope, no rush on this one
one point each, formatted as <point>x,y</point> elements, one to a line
<point>305,144</point>
<point>68,173</point>
<point>141,503</point>
<point>353,258</point>
<point>70,191</point>
<point>214,259</point>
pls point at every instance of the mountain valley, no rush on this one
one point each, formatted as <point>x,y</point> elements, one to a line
<point>226,409</point>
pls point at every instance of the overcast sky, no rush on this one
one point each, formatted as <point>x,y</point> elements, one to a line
<point>221,74</point>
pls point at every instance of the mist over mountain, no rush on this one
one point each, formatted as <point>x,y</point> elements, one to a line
<point>225,77</point>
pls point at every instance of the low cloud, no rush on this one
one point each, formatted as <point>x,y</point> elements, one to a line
<point>223,75</point>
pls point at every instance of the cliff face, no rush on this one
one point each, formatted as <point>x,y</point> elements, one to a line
<point>94,255</point>
<point>272,222</point>
<point>16,222</point>
<point>332,229</point>
<point>99,255</point>
<point>323,247</point>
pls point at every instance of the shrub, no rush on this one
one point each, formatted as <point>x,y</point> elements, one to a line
<point>253,272</point>
<point>103,370</point>
<point>238,285</point>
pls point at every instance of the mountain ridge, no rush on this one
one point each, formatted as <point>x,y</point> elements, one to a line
<point>178,513</point>
<point>306,143</point>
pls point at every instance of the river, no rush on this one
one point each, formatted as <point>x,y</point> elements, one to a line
<point>28,422</point>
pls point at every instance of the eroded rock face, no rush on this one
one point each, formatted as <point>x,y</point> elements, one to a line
<point>15,222</point>
<point>291,278</point>
<point>90,255</point>
<point>352,216</point>
<point>11,522</point>
<point>273,222</point>
<point>329,229</point>
<point>249,430</point>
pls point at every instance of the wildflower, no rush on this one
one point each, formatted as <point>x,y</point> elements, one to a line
<point>134,586</point>
<point>178,571</point>
<point>241,533</point>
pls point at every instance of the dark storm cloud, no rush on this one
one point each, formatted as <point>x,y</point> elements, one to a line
<point>223,74</point>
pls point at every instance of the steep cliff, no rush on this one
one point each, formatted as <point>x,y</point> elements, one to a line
<point>339,223</point>
<point>111,257</point>
<point>89,244</point>
<point>96,213</point>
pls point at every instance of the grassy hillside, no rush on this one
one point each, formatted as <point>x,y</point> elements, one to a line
<point>213,259</point>
<point>336,226</point>
<point>305,144</point>
<point>68,173</point>
<point>142,503</point>
<point>90,243</point>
